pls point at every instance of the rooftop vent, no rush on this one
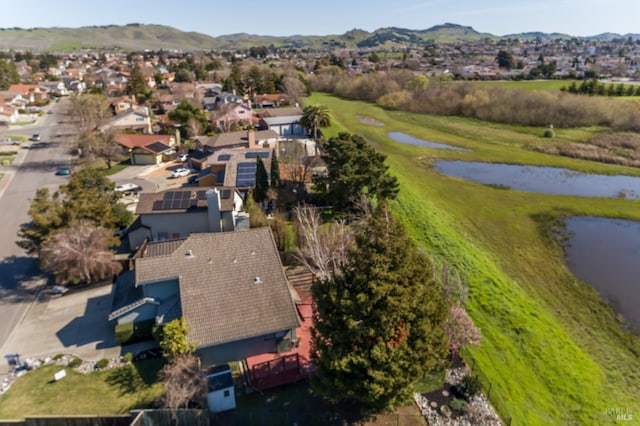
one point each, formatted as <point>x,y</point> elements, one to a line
<point>189,254</point>
<point>257,280</point>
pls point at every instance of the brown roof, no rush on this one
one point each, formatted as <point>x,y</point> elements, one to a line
<point>281,112</point>
<point>152,202</point>
<point>232,285</point>
<point>227,140</point>
<point>130,140</point>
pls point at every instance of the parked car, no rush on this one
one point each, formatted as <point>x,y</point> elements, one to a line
<point>35,137</point>
<point>11,141</point>
<point>128,188</point>
<point>63,171</point>
<point>182,158</point>
<point>181,172</point>
<point>148,354</point>
<point>58,290</point>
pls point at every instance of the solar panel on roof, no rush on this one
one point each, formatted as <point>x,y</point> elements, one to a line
<point>202,195</point>
<point>256,154</point>
<point>157,205</point>
<point>166,204</point>
<point>246,174</point>
<point>224,157</point>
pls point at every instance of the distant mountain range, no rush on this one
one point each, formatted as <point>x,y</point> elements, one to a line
<point>155,37</point>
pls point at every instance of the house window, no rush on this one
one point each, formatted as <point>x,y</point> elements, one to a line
<point>163,236</point>
<point>227,393</point>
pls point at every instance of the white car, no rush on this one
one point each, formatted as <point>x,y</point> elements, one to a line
<point>181,172</point>
<point>128,187</point>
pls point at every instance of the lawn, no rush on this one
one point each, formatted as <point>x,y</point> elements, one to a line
<point>114,391</point>
<point>553,351</point>
<point>530,85</point>
<point>297,404</point>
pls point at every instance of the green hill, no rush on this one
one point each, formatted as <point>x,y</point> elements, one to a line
<point>135,37</point>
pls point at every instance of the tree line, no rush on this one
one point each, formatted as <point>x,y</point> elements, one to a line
<point>402,90</point>
<point>595,87</point>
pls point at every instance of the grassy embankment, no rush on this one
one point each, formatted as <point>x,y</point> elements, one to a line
<point>554,352</point>
<point>115,391</point>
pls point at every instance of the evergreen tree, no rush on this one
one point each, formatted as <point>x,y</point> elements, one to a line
<point>378,327</point>
<point>275,170</point>
<point>8,74</point>
<point>262,182</point>
<point>88,195</point>
<point>354,168</point>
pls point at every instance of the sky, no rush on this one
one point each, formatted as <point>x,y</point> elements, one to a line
<point>289,17</point>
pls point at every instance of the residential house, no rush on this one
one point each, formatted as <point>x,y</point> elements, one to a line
<point>29,92</point>
<point>271,100</point>
<point>55,88</point>
<point>284,121</point>
<point>177,213</point>
<point>242,139</point>
<point>8,115</point>
<point>121,104</point>
<point>227,116</point>
<point>147,149</point>
<point>235,167</point>
<point>137,119</point>
<point>230,287</point>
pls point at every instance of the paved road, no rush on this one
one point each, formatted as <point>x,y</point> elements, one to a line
<point>33,168</point>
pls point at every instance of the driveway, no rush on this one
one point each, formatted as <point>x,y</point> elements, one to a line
<point>75,323</point>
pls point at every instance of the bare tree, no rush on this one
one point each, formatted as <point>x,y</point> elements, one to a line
<point>194,127</point>
<point>323,248</point>
<point>80,253</point>
<point>86,112</point>
<point>185,384</point>
<point>101,144</point>
<point>293,87</point>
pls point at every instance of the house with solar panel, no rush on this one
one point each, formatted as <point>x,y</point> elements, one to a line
<point>230,287</point>
<point>177,213</point>
<point>147,149</point>
<point>234,168</point>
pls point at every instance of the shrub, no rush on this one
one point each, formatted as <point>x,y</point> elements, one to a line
<point>548,133</point>
<point>459,405</point>
<point>102,363</point>
<point>57,357</point>
<point>471,385</point>
<point>124,332</point>
<point>128,357</point>
<point>74,363</point>
<point>134,332</point>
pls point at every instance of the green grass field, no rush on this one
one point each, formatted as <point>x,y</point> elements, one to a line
<point>115,391</point>
<point>529,85</point>
<point>552,350</point>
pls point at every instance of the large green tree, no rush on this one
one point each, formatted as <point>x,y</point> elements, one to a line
<point>378,326</point>
<point>187,111</point>
<point>354,168</point>
<point>88,195</point>
<point>505,59</point>
<point>262,182</point>
<point>8,74</point>
<point>137,85</point>
<point>315,117</point>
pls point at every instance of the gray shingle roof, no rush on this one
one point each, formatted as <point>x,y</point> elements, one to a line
<point>232,284</point>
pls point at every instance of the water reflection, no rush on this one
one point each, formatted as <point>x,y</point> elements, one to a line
<point>410,140</point>
<point>546,180</point>
<point>605,253</point>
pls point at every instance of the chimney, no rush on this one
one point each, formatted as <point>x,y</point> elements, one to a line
<point>213,210</point>
<point>251,137</point>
